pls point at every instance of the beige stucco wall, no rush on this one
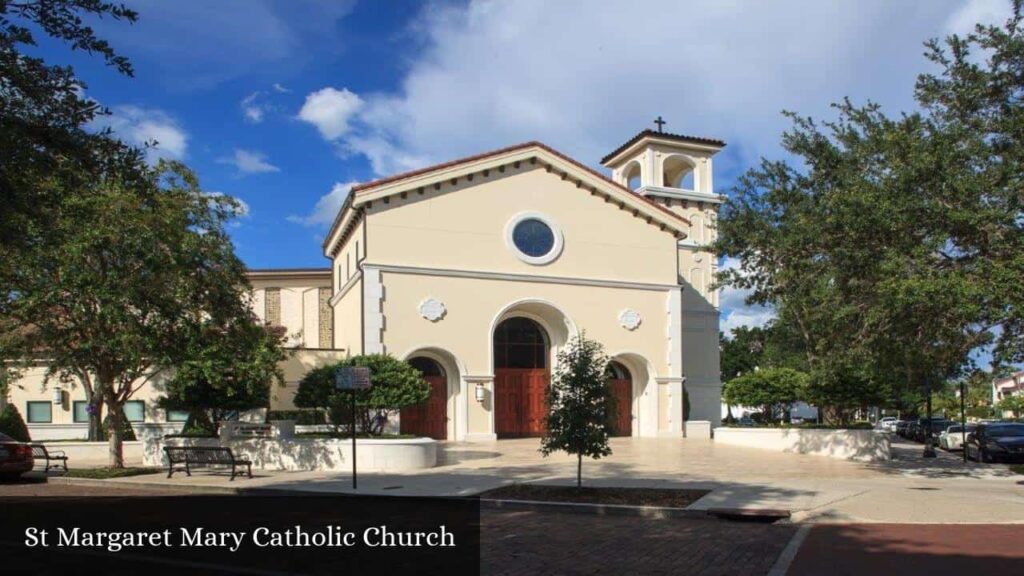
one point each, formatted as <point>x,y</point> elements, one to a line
<point>32,386</point>
<point>300,312</point>
<point>464,228</point>
<point>348,322</point>
<point>463,338</point>
<point>299,362</point>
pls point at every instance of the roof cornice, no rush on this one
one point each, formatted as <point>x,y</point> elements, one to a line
<point>435,177</point>
<point>707,144</point>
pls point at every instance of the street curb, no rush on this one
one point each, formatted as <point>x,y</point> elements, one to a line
<point>120,483</point>
<point>593,509</point>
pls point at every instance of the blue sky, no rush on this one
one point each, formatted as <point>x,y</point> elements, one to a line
<point>284,104</point>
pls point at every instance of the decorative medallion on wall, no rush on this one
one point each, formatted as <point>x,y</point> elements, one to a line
<point>432,309</point>
<point>698,258</point>
<point>629,319</point>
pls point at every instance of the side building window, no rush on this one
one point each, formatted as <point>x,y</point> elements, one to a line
<point>80,411</point>
<point>177,415</point>
<point>135,411</point>
<point>39,412</point>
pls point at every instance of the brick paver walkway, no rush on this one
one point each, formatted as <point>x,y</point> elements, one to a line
<point>531,543</point>
<point>911,549</point>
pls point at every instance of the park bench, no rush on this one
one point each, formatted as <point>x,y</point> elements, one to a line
<point>196,456</point>
<point>59,459</point>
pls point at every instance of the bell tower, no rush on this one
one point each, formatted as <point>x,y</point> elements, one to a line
<point>676,172</point>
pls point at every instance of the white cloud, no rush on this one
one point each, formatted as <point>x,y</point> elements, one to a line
<point>249,162</point>
<point>974,12</point>
<point>242,209</point>
<point>330,110</point>
<point>252,108</point>
<point>327,206</point>
<point>584,76</point>
<point>278,87</point>
<point>735,310</point>
<point>147,126</point>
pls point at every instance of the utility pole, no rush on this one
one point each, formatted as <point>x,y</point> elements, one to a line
<point>963,419</point>
<point>929,449</point>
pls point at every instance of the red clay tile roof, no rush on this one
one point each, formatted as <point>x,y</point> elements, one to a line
<point>666,136</point>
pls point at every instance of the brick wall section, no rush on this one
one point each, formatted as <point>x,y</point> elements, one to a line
<point>272,306</point>
<point>326,319</point>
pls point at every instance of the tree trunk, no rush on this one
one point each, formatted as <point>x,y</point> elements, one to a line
<point>95,418</point>
<point>579,470</point>
<point>115,433</point>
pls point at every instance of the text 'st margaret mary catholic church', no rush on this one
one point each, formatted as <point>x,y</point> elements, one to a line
<point>479,270</point>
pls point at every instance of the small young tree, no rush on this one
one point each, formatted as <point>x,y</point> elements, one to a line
<point>394,385</point>
<point>580,404</point>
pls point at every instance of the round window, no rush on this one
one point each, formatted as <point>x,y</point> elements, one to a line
<point>534,238</point>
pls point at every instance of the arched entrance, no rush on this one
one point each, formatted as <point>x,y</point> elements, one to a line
<point>621,383</point>
<point>429,418</point>
<point>521,376</point>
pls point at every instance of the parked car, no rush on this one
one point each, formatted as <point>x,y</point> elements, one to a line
<point>936,426</point>
<point>952,437</point>
<point>15,457</point>
<point>996,441</point>
<point>901,428</point>
<point>746,421</point>
<point>887,423</point>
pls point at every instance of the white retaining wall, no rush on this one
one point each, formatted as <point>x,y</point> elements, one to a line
<point>867,445</point>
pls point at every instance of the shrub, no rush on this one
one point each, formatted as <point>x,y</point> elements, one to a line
<point>12,424</point>
<point>301,417</point>
<point>395,384</point>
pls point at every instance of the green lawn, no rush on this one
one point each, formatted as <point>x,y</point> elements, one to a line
<point>105,473</point>
<point>1018,468</point>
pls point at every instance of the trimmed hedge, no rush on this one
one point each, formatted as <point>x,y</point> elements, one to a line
<point>301,417</point>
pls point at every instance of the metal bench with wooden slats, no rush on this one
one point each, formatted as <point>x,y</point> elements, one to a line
<point>59,459</point>
<point>186,457</point>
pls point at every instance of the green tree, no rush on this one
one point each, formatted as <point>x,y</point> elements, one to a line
<point>394,385</point>
<point>892,245</point>
<point>228,367</point>
<point>44,115</point>
<point>116,288</point>
<point>1012,404</point>
<point>580,404</point>
<point>770,389</point>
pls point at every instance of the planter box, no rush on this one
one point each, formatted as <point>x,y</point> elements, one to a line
<point>327,454</point>
<point>866,445</point>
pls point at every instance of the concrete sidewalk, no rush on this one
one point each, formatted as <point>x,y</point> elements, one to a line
<point>816,489</point>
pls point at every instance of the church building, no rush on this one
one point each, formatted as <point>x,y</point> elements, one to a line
<point>478,271</point>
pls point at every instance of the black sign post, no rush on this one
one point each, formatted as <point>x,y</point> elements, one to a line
<point>353,379</point>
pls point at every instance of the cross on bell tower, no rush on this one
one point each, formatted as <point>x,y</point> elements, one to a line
<point>660,123</point>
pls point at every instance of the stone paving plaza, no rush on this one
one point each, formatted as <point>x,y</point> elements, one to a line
<point>814,488</point>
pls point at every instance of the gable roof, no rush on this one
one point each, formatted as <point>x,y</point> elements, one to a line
<point>663,136</point>
<point>584,176</point>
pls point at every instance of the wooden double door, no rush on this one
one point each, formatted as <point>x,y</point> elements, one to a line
<point>520,401</point>
<point>621,383</point>
<point>429,418</point>
<point>521,378</point>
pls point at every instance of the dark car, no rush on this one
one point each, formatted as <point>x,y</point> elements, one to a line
<point>15,457</point>
<point>937,426</point>
<point>996,441</point>
<point>901,428</point>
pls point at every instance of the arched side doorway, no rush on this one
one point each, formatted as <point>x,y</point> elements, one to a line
<point>429,418</point>
<point>521,378</point>
<point>621,383</point>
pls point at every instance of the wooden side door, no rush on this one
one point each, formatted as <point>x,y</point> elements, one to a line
<point>429,418</point>
<point>622,392</point>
